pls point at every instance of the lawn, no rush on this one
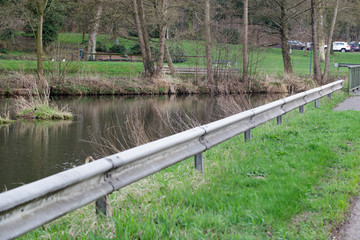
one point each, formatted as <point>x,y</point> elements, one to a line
<point>262,60</point>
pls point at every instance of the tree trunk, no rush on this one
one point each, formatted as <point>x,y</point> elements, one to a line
<point>208,42</point>
<point>331,33</point>
<point>149,60</point>
<point>41,5</point>
<point>321,30</point>
<point>315,47</point>
<point>284,32</point>
<point>162,38</point>
<point>245,43</point>
<point>144,52</point>
<point>94,32</point>
<point>169,60</point>
<point>39,49</point>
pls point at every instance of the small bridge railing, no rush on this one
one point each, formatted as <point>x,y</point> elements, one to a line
<point>30,206</point>
<point>354,78</point>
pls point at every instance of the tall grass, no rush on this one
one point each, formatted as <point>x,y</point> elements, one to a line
<point>293,181</point>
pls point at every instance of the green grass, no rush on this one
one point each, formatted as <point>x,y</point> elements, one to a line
<point>5,120</point>
<point>44,112</point>
<point>293,181</point>
<point>87,68</point>
<point>75,39</point>
<point>269,60</point>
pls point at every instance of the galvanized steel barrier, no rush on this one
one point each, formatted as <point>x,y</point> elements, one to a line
<point>30,206</point>
<point>354,78</point>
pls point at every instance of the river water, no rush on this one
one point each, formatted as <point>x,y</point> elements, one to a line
<point>31,150</point>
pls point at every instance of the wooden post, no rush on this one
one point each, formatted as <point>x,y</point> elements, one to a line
<point>199,162</point>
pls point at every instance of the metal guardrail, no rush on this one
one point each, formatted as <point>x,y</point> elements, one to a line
<point>339,65</point>
<point>30,206</point>
<point>354,78</point>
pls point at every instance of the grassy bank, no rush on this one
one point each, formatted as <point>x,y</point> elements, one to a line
<point>293,181</point>
<point>77,77</point>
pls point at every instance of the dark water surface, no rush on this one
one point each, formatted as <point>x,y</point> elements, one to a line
<point>31,150</point>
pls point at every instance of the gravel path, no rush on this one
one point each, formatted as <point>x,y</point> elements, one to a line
<point>352,103</point>
<point>351,229</point>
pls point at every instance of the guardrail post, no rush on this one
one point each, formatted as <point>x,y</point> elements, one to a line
<point>329,96</point>
<point>316,103</point>
<point>101,206</point>
<point>199,162</point>
<point>279,120</point>
<point>301,109</point>
<point>247,135</point>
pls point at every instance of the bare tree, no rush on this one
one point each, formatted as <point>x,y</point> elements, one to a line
<point>245,42</point>
<point>315,47</point>
<point>321,31</point>
<point>162,38</point>
<point>94,31</point>
<point>208,42</point>
<point>139,15</point>
<point>325,75</point>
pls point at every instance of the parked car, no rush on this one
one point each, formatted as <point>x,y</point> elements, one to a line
<point>296,45</point>
<point>340,46</point>
<point>354,47</point>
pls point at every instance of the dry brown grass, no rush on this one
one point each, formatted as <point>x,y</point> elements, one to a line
<point>133,131</point>
<point>289,83</point>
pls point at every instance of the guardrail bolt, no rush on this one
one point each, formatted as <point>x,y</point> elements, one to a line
<point>301,109</point>
<point>247,135</point>
<point>329,96</point>
<point>316,103</point>
<point>279,120</point>
<point>101,206</point>
<point>199,162</point>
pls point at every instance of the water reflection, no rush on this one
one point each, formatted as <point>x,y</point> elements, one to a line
<point>34,150</point>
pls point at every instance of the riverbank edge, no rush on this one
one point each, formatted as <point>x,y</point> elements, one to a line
<point>19,84</point>
<point>330,195</point>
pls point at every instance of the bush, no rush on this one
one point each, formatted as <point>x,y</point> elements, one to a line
<point>7,34</point>
<point>135,49</point>
<point>118,49</point>
<point>3,49</point>
<point>100,47</point>
<point>175,52</point>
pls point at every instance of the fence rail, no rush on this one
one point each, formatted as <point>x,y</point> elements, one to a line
<point>354,78</point>
<point>199,70</point>
<point>32,205</point>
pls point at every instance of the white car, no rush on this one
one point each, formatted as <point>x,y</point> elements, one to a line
<point>340,46</point>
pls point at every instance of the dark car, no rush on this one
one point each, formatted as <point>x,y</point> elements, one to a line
<point>354,47</point>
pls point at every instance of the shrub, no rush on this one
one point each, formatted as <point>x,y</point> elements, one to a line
<point>100,47</point>
<point>7,34</point>
<point>3,49</point>
<point>175,52</point>
<point>135,49</point>
<point>118,49</point>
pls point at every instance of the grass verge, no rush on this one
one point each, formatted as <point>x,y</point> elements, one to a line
<point>293,181</point>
